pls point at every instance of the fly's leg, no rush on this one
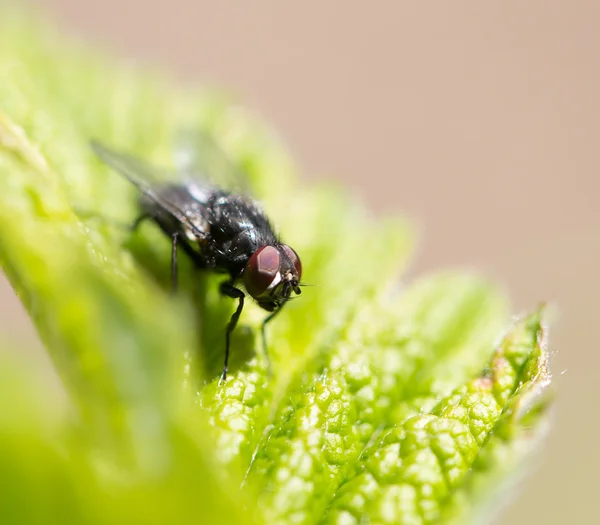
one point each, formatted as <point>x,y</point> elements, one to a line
<point>177,239</point>
<point>138,221</point>
<point>174,263</point>
<point>263,333</point>
<point>229,290</point>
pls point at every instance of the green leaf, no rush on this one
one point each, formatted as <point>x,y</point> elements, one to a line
<point>432,465</point>
<point>386,403</point>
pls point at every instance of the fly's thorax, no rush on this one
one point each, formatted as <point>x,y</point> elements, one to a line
<point>272,273</point>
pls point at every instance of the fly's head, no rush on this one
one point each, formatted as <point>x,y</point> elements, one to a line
<point>272,274</point>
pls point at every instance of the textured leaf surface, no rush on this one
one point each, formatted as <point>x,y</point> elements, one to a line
<point>386,404</point>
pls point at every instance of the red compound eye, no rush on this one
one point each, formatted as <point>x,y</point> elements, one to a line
<point>294,259</point>
<point>262,269</point>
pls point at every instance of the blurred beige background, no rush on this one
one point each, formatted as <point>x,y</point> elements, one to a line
<point>480,120</point>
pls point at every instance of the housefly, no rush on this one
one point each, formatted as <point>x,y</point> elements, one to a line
<point>220,231</point>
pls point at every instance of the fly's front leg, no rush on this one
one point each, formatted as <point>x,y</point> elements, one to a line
<point>263,333</point>
<point>229,290</point>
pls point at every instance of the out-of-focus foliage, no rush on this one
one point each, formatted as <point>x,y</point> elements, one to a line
<point>385,406</point>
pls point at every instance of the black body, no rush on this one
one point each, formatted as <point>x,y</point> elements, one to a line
<point>219,231</point>
<point>233,227</point>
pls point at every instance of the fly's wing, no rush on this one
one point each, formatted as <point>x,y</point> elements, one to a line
<point>200,159</point>
<point>205,164</point>
<point>144,177</point>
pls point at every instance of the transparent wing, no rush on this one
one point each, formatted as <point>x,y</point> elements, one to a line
<point>199,158</point>
<point>145,177</point>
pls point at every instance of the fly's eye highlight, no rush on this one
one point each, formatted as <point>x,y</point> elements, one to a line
<point>262,270</point>
<point>293,258</point>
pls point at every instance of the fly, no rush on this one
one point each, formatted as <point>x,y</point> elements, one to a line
<point>220,231</point>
